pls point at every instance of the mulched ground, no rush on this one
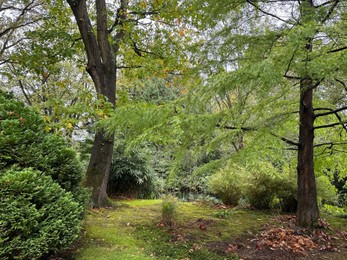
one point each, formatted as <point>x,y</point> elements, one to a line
<point>284,240</point>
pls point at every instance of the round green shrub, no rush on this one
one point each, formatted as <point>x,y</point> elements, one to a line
<point>25,143</point>
<point>37,216</point>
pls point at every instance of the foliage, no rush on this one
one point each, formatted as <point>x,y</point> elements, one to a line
<point>262,185</point>
<point>168,210</point>
<point>189,172</point>
<point>327,193</point>
<point>335,210</point>
<point>228,184</point>
<point>25,143</point>
<point>131,175</point>
<point>37,216</point>
<point>259,183</point>
<point>224,213</point>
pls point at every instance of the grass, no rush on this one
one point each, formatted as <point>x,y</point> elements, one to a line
<point>132,230</point>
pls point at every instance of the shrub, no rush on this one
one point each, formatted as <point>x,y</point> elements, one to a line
<point>228,184</point>
<point>335,210</point>
<point>25,143</point>
<point>168,210</point>
<point>132,176</point>
<point>287,190</point>
<point>37,216</point>
<point>327,192</point>
<point>262,185</point>
<point>258,185</point>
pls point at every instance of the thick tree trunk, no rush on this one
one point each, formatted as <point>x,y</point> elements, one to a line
<point>307,212</point>
<point>101,55</point>
<point>99,169</point>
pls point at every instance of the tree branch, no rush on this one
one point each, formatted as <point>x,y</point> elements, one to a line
<point>267,13</point>
<point>342,83</point>
<point>337,50</point>
<point>331,144</point>
<point>331,111</point>
<point>286,140</point>
<point>330,125</point>
<point>331,9</point>
<point>129,67</point>
<point>236,128</point>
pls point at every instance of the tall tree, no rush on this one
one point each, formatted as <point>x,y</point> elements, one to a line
<point>101,55</point>
<point>140,35</point>
<point>284,52</point>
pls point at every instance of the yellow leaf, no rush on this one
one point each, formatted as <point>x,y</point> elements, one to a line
<point>99,112</point>
<point>69,125</point>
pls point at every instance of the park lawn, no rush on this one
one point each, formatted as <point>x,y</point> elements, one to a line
<point>132,229</point>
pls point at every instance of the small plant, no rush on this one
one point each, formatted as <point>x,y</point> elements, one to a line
<point>168,210</point>
<point>224,213</point>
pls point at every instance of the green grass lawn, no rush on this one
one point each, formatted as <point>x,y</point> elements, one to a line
<point>132,230</point>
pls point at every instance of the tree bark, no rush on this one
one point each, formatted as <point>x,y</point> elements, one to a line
<point>101,67</point>
<point>307,211</point>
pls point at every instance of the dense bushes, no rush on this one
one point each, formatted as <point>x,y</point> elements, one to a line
<point>258,185</point>
<point>41,199</point>
<point>37,216</point>
<point>264,186</point>
<point>132,176</point>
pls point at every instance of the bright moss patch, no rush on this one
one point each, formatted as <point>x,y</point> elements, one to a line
<point>132,230</point>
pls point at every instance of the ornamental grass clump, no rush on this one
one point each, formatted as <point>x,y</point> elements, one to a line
<point>168,210</point>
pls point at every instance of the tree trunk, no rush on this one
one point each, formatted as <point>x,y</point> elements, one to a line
<point>307,212</point>
<point>98,171</point>
<point>101,55</point>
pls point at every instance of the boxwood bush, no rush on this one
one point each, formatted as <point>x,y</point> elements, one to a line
<point>37,216</point>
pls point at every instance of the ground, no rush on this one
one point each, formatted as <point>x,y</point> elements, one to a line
<point>133,229</point>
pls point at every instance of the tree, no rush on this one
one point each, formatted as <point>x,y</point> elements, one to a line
<point>101,55</point>
<point>270,49</point>
<point>138,36</point>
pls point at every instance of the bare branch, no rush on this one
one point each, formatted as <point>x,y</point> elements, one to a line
<point>337,50</point>
<point>331,144</point>
<point>286,140</point>
<point>267,13</point>
<point>331,9</point>
<point>236,128</point>
<point>342,83</point>
<point>129,67</point>
<point>331,111</point>
<point>330,125</point>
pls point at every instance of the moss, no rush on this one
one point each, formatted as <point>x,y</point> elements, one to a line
<point>132,231</point>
